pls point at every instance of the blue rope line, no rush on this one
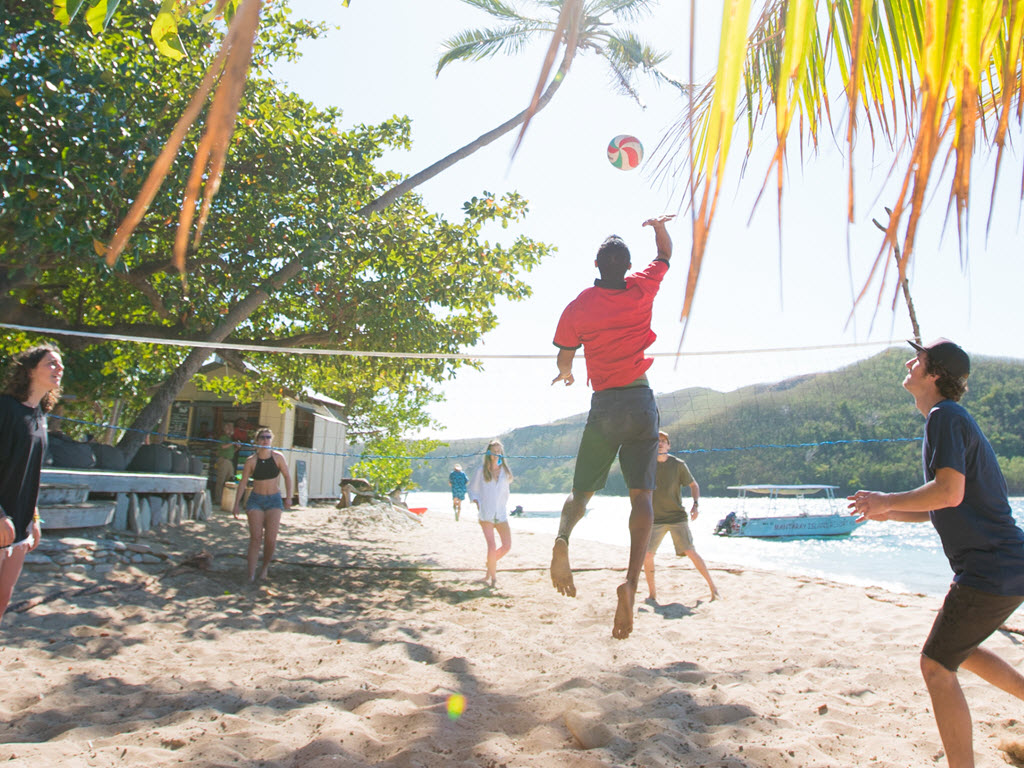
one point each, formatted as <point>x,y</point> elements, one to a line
<point>478,454</point>
<point>806,445</point>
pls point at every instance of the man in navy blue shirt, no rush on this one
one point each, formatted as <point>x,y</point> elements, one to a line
<point>964,497</point>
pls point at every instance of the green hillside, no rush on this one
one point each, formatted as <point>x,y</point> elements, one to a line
<point>854,427</point>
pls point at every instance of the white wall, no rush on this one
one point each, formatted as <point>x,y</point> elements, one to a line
<point>325,465</point>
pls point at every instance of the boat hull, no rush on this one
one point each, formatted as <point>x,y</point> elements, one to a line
<point>801,527</point>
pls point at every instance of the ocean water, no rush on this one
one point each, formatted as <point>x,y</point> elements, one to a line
<point>900,557</point>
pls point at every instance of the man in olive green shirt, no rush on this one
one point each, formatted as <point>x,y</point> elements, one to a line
<point>225,455</point>
<point>670,515</point>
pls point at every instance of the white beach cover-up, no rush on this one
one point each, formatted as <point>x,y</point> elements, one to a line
<point>491,496</point>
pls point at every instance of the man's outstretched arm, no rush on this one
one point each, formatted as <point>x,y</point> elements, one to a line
<point>662,240</point>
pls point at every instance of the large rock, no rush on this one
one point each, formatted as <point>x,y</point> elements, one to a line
<point>68,453</point>
<point>152,458</point>
<point>179,461</point>
<point>108,457</point>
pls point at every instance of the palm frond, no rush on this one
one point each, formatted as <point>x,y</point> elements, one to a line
<point>934,75</point>
<point>567,31</point>
<point>629,50</point>
<point>477,44</point>
<point>622,80</point>
<point>496,8</point>
<point>624,10</point>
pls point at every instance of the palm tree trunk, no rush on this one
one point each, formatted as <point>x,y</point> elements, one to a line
<point>480,142</point>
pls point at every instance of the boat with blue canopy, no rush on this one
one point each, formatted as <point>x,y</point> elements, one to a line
<point>779,523</point>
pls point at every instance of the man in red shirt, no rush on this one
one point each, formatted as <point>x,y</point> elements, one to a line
<point>612,322</point>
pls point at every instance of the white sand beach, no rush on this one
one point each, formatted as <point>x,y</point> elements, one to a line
<point>348,655</point>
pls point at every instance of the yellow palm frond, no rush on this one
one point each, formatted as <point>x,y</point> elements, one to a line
<point>932,75</point>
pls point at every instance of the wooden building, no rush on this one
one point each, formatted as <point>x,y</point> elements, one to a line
<point>308,430</point>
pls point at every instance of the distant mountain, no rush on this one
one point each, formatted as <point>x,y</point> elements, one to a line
<point>854,427</point>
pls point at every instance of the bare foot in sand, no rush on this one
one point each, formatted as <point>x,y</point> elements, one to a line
<point>624,612</point>
<point>716,595</point>
<point>561,572</point>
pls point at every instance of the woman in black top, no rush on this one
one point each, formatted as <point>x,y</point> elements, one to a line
<point>264,505</point>
<point>31,389</point>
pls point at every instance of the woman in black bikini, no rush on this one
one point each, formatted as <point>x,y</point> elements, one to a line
<point>264,505</point>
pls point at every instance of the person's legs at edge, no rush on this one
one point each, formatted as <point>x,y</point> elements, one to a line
<point>952,715</point>
<point>649,573</point>
<point>995,671</point>
<point>255,518</point>
<point>271,527</point>
<point>10,570</point>
<point>492,560</point>
<point>702,567</point>
<point>223,471</point>
<point>641,518</point>
<point>656,538</point>
<point>505,533</point>
<point>573,509</point>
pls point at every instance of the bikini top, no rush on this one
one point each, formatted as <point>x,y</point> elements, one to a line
<point>266,469</point>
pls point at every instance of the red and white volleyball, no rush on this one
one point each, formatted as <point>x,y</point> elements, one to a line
<point>625,152</point>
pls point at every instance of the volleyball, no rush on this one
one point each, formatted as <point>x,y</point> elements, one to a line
<point>625,152</point>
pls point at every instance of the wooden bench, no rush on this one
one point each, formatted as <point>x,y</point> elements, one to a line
<point>143,500</point>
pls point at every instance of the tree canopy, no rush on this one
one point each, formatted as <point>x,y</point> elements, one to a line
<point>87,117</point>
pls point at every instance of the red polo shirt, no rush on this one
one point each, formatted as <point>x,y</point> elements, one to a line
<point>613,325</point>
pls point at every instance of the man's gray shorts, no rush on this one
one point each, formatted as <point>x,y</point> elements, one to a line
<point>623,422</point>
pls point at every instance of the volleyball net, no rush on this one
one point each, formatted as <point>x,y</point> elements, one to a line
<point>844,421</point>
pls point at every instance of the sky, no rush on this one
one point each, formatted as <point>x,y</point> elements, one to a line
<point>379,61</point>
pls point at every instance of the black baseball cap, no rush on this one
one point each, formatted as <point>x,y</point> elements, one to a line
<point>947,355</point>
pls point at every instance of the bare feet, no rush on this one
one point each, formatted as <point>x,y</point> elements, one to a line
<point>715,595</point>
<point>561,572</point>
<point>624,612</point>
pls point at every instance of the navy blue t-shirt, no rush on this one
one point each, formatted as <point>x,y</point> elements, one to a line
<point>984,546</point>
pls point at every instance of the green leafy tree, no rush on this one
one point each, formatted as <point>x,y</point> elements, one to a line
<point>388,462</point>
<point>286,259</point>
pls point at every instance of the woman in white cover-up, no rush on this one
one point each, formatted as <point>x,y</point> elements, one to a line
<point>489,490</point>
